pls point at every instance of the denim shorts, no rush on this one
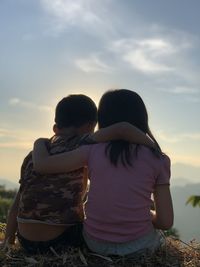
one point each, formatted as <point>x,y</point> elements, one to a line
<point>148,243</point>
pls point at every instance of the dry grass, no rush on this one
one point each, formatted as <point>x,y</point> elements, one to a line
<point>174,254</point>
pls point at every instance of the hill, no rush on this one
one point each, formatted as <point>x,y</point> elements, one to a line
<point>187,218</point>
<point>8,184</point>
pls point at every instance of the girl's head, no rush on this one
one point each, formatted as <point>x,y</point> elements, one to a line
<point>122,105</point>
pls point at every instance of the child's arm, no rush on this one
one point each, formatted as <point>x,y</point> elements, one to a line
<point>162,217</point>
<point>11,227</point>
<point>124,131</point>
<point>77,158</point>
<point>43,162</point>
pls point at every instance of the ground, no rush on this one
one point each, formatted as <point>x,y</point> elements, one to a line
<point>174,254</point>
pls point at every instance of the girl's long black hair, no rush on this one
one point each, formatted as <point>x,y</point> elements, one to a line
<point>118,106</point>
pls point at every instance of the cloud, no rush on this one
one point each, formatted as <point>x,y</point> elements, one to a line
<point>69,11</point>
<point>191,99</point>
<point>181,90</point>
<point>26,104</point>
<point>64,13</point>
<point>25,145</point>
<point>92,64</point>
<point>181,147</point>
<point>177,138</point>
<point>192,136</point>
<point>159,51</point>
<point>187,94</point>
<point>145,55</point>
<point>151,49</point>
<point>168,138</point>
<point>22,138</point>
<point>141,61</point>
<point>87,16</point>
<point>184,158</point>
<point>13,139</point>
<point>184,90</point>
<point>3,132</point>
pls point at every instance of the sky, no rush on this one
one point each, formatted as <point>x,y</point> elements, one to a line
<point>52,48</point>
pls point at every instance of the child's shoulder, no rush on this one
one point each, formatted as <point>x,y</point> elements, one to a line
<point>62,143</point>
<point>162,158</point>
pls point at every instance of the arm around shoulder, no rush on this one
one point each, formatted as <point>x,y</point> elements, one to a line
<point>124,131</point>
<point>64,162</point>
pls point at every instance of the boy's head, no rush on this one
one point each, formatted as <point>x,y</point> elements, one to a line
<point>77,111</point>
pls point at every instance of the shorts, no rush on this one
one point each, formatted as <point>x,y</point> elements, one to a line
<point>72,236</point>
<point>148,243</point>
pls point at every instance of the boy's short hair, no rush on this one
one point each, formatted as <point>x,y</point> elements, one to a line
<point>75,110</point>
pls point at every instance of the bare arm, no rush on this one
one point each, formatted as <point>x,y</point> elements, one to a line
<point>11,226</point>
<point>72,160</point>
<point>163,216</point>
<point>124,131</point>
<point>64,162</point>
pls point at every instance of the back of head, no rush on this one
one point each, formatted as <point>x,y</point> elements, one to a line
<point>122,105</point>
<point>75,111</point>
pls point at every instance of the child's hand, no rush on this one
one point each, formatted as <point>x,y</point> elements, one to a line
<point>41,140</point>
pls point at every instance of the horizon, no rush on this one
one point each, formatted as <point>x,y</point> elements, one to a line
<point>50,49</point>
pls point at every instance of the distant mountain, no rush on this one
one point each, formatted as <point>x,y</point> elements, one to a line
<point>180,170</point>
<point>186,218</point>
<point>180,181</point>
<point>8,184</point>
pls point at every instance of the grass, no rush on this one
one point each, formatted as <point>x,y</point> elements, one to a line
<point>174,254</point>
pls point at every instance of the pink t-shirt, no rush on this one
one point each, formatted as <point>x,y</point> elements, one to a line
<point>119,199</point>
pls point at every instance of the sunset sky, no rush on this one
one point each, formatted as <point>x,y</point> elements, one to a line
<point>52,48</point>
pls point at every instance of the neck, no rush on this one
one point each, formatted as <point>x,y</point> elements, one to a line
<point>67,131</point>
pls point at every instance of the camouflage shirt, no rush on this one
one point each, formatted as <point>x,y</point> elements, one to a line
<point>52,198</point>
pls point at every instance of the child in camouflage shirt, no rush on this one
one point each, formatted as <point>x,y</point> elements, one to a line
<point>48,209</point>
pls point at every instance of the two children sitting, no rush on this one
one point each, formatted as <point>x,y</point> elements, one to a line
<point>48,210</point>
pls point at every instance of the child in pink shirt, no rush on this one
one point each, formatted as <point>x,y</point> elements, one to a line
<point>123,177</point>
